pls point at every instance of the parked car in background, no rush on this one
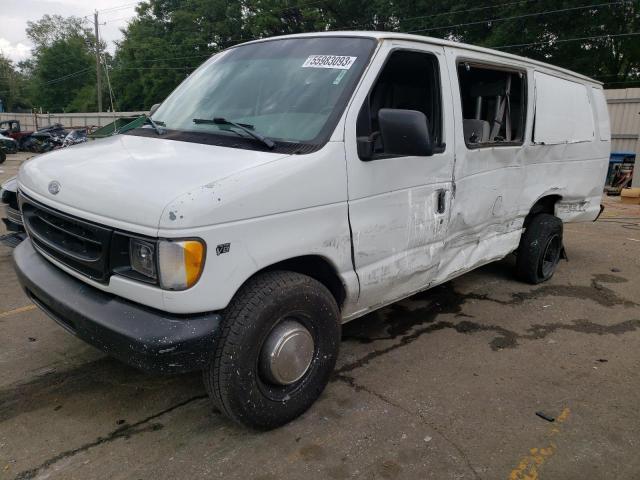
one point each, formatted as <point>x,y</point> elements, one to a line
<point>45,139</point>
<point>74,137</point>
<point>11,128</point>
<point>10,213</point>
<point>8,144</point>
<point>292,184</point>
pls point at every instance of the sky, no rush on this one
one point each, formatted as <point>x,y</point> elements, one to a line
<point>15,14</point>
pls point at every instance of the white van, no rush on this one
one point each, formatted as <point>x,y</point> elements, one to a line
<point>295,183</point>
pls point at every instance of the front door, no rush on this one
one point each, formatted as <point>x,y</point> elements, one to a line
<point>399,206</point>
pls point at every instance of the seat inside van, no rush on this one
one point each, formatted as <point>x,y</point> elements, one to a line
<point>492,102</point>
<point>475,130</point>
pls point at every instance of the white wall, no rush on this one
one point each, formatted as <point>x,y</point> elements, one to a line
<point>624,113</point>
<point>30,121</point>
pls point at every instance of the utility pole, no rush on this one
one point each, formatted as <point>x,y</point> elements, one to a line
<point>98,73</point>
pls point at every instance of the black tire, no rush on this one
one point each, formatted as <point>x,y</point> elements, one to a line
<point>233,378</point>
<point>3,156</point>
<point>540,249</point>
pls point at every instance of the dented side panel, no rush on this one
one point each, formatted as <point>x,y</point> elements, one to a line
<point>398,231</point>
<point>492,191</point>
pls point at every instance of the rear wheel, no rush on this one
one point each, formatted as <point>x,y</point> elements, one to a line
<point>3,156</point>
<point>540,249</point>
<point>276,351</point>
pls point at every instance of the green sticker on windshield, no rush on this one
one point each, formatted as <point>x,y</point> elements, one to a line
<point>340,77</point>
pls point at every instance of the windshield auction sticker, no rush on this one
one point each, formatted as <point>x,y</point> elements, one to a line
<point>329,61</point>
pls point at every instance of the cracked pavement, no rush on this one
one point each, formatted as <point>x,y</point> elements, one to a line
<point>443,385</point>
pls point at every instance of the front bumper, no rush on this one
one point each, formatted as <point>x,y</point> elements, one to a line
<point>148,339</point>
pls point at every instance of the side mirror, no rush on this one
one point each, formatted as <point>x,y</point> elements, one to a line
<point>153,109</point>
<point>405,132</point>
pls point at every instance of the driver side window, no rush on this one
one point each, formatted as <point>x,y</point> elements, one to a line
<point>410,80</point>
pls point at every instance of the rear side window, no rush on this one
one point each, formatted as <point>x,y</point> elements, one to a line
<point>563,111</point>
<point>603,114</point>
<point>493,105</point>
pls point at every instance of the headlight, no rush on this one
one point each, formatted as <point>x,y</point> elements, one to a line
<point>180,263</point>
<point>171,264</point>
<point>142,257</point>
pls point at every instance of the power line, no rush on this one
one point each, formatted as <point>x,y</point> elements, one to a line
<point>449,13</point>
<point>153,68</point>
<point>625,82</point>
<point>118,7</point>
<point>66,77</point>
<point>515,17</point>
<point>113,20</point>
<point>546,12</point>
<point>274,10</point>
<point>609,75</point>
<point>563,40</point>
<point>61,79</point>
<point>84,70</point>
<point>73,74</point>
<point>175,58</point>
<point>456,12</point>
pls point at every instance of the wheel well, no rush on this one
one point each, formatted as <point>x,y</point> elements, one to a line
<point>543,205</point>
<point>318,268</point>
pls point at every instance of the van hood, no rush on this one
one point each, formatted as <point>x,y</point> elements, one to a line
<point>129,180</point>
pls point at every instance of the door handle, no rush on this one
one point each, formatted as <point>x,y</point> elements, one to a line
<point>441,202</point>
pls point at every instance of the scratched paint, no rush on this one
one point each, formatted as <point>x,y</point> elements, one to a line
<point>528,468</point>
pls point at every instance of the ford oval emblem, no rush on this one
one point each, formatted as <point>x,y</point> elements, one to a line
<point>54,187</point>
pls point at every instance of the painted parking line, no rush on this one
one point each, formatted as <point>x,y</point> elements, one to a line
<point>15,311</point>
<point>529,465</point>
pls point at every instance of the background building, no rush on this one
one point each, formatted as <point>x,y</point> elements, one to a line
<point>624,112</point>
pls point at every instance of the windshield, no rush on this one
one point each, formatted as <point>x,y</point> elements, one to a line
<point>290,90</point>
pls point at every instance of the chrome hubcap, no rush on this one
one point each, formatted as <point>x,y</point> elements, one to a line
<point>287,353</point>
<point>551,255</point>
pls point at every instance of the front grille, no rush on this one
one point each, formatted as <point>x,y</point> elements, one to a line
<point>78,244</point>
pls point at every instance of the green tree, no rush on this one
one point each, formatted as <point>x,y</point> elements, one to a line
<point>166,41</point>
<point>53,28</point>
<point>546,30</point>
<point>12,84</point>
<point>62,68</point>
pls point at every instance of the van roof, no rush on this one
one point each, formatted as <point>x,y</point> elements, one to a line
<point>434,41</point>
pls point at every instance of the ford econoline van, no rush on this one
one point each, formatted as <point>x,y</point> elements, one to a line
<point>292,184</point>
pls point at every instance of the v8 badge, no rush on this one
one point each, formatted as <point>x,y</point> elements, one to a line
<point>223,248</point>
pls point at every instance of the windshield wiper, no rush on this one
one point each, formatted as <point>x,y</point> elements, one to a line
<point>242,126</point>
<point>155,126</point>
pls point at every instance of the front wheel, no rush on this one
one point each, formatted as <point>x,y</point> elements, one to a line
<point>540,249</point>
<point>276,350</point>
